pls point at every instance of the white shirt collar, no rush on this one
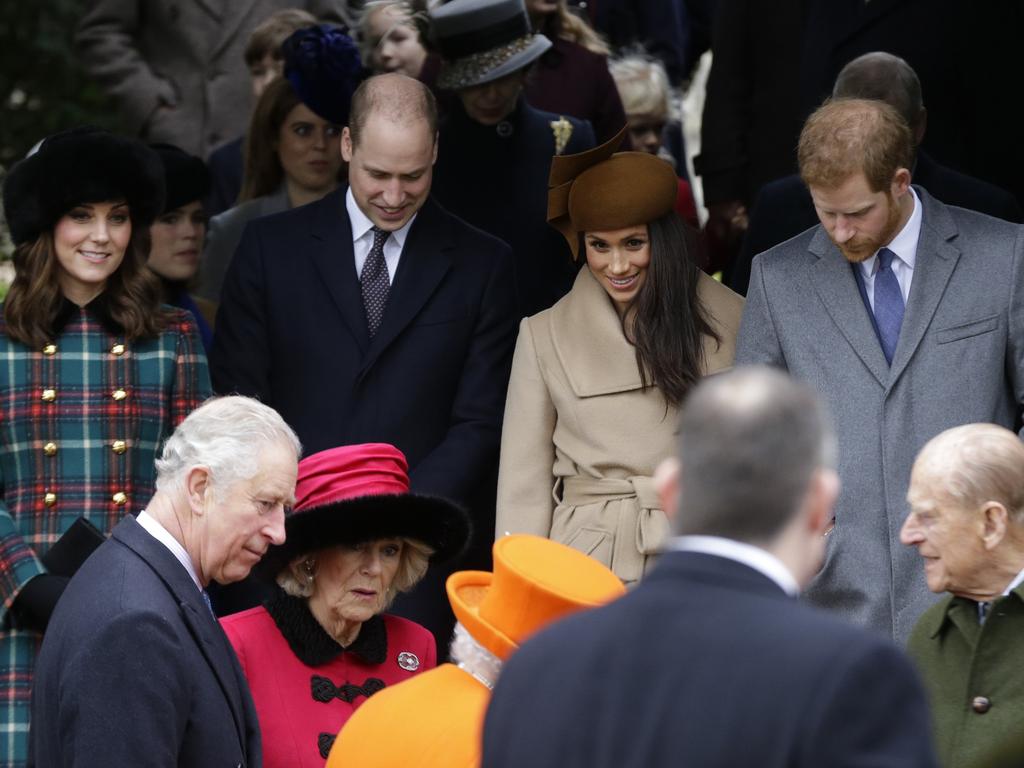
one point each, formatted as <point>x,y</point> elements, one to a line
<point>1015,583</point>
<point>361,224</point>
<point>904,245</point>
<point>153,527</point>
<point>759,559</point>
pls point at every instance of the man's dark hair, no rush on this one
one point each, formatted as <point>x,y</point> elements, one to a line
<point>883,77</point>
<point>395,97</point>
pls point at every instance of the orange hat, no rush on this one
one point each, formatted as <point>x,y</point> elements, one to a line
<point>602,189</point>
<point>535,582</point>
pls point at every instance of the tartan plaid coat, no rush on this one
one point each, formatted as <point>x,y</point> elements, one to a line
<point>81,422</point>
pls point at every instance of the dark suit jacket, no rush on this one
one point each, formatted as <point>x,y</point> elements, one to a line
<point>784,209</point>
<point>706,663</point>
<point>134,670</point>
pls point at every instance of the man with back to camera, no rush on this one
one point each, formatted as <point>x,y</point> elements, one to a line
<point>907,315</point>
<point>711,661</point>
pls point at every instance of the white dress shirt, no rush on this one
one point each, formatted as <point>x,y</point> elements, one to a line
<point>362,238</point>
<point>760,560</point>
<point>904,246</point>
<point>161,534</point>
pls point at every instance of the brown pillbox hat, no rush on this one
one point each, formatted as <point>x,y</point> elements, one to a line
<point>601,189</point>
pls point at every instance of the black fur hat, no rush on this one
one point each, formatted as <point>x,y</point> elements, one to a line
<point>186,177</point>
<point>81,165</point>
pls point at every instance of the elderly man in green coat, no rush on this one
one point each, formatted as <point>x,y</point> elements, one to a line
<point>967,521</point>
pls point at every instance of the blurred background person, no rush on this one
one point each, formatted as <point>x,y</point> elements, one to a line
<point>265,60</point>
<point>392,36</point>
<point>177,70</point>
<point>494,148</point>
<point>967,522</point>
<point>648,101</point>
<point>96,375</point>
<point>177,235</point>
<point>293,147</point>
<point>442,710</point>
<point>597,380</point>
<point>322,644</point>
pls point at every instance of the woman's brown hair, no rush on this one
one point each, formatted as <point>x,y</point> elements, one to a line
<point>263,172</point>
<point>34,300</point>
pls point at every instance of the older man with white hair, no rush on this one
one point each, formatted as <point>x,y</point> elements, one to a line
<point>967,521</point>
<point>134,668</point>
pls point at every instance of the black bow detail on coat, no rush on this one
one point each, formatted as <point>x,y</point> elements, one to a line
<point>324,742</point>
<point>324,690</point>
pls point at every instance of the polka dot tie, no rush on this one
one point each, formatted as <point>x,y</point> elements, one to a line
<point>374,281</point>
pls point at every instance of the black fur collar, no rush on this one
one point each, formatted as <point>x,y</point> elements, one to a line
<point>311,643</point>
<point>99,308</point>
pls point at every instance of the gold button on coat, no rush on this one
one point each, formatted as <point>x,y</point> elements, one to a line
<point>119,446</point>
<point>49,395</point>
<point>50,349</point>
<point>120,499</point>
<point>50,449</point>
<point>50,499</point>
<point>119,394</point>
<point>117,349</point>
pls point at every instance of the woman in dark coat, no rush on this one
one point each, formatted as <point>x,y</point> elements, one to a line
<point>96,374</point>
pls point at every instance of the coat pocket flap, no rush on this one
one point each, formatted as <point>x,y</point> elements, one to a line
<point>966,330</point>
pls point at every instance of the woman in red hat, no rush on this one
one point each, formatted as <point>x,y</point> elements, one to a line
<point>322,644</point>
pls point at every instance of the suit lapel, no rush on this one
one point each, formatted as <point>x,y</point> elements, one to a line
<point>334,259</point>
<point>934,265</point>
<point>209,637</point>
<point>424,262</point>
<point>837,288</point>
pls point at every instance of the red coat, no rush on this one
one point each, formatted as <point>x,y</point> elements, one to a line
<point>301,707</point>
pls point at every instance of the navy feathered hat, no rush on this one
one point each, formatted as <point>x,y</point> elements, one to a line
<point>186,177</point>
<point>323,66</point>
<point>81,165</point>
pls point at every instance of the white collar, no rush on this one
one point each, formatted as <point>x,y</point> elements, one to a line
<point>759,559</point>
<point>361,223</point>
<point>904,245</point>
<point>1015,583</point>
<point>155,529</point>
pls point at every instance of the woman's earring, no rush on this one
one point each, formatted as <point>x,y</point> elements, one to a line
<point>309,566</point>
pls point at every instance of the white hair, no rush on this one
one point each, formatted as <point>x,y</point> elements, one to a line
<point>643,86</point>
<point>226,435</point>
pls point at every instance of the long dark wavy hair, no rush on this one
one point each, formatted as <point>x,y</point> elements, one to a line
<point>34,299</point>
<point>666,322</point>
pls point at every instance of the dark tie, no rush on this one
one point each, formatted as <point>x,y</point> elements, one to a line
<point>888,304</point>
<point>374,281</point>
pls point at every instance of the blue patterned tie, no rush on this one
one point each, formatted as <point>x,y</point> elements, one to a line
<point>374,281</point>
<point>888,304</point>
<point>209,604</point>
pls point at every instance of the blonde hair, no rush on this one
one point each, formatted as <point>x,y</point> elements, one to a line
<point>568,26</point>
<point>643,86</point>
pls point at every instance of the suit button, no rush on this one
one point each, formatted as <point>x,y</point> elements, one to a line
<point>50,499</point>
<point>49,395</point>
<point>120,498</point>
<point>117,349</point>
<point>50,349</point>
<point>981,704</point>
<point>50,449</point>
<point>119,394</point>
<point>119,446</point>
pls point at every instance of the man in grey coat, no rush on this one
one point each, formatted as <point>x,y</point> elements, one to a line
<point>908,316</point>
<point>177,69</point>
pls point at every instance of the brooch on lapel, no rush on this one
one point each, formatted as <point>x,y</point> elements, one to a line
<point>562,129</point>
<point>408,661</point>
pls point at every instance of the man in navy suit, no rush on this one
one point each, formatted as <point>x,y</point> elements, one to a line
<point>134,668</point>
<point>373,315</point>
<point>711,661</point>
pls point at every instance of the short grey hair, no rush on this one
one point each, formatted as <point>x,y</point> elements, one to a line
<point>226,435</point>
<point>749,443</point>
<point>412,567</point>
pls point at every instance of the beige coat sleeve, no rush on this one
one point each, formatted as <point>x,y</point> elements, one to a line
<point>526,471</point>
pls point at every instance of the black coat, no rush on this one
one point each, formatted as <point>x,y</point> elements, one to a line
<point>496,178</point>
<point>784,209</point>
<point>134,670</point>
<point>706,663</point>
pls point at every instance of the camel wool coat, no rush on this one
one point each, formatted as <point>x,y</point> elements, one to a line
<point>582,438</point>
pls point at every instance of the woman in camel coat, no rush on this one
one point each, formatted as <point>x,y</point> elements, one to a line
<point>598,378</point>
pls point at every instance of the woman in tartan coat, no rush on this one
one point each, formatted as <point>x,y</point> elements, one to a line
<point>95,374</point>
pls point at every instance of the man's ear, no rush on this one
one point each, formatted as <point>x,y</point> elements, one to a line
<point>666,483</point>
<point>197,486</point>
<point>821,501</point>
<point>900,182</point>
<point>995,518</point>
<point>346,145</point>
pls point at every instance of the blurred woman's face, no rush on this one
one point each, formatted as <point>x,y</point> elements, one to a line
<point>176,240</point>
<point>619,259</point>
<point>90,241</point>
<point>492,102</point>
<point>309,149</point>
<point>352,582</point>
<point>396,42</point>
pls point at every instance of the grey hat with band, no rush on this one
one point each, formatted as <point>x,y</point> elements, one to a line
<point>483,40</point>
